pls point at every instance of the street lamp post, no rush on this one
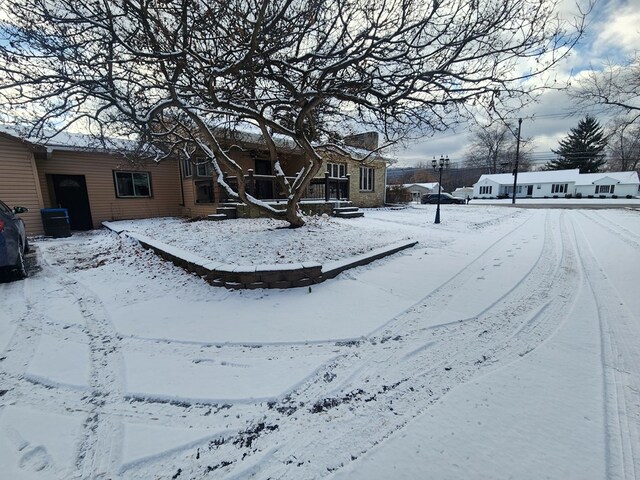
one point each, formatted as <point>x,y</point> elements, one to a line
<point>439,165</point>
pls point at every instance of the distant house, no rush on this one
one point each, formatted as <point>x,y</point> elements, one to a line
<point>558,183</point>
<point>463,192</point>
<point>417,190</point>
<point>96,184</point>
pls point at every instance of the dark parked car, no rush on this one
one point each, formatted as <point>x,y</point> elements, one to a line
<point>13,240</point>
<point>444,198</point>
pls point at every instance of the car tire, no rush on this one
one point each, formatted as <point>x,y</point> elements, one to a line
<point>26,245</point>
<point>20,268</point>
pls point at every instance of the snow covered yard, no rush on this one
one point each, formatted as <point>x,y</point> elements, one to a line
<point>505,345</point>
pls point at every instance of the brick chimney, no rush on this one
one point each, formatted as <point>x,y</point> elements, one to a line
<point>367,140</point>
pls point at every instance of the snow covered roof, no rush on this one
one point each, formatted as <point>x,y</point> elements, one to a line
<point>424,185</point>
<point>81,141</point>
<point>72,141</point>
<point>561,176</point>
<point>619,177</point>
<point>551,176</point>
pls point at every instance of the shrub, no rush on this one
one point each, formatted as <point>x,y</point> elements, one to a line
<point>546,196</point>
<point>590,196</point>
<point>602,196</point>
<point>398,194</point>
<point>629,196</point>
<point>614,196</point>
<point>578,195</point>
<point>555,196</point>
<point>568,195</point>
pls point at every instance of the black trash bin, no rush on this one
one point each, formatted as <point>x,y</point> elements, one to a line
<point>56,222</point>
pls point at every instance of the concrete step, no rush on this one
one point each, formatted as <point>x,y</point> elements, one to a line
<point>230,212</point>
<point>349,214</point>
<point>217,216</point>
<point>345,209</point>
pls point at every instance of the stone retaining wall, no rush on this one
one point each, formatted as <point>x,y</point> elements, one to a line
<point>289,275</point>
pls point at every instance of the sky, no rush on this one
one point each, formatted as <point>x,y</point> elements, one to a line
<point>612,33</point>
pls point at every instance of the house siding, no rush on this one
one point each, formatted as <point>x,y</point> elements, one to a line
<point>19,182</point>
<point>619,190</point>
<point>98,168</point>
<point>374,198</point>
<point>625,183</point>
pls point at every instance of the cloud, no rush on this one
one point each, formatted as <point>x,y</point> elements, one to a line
<point>612,32</point>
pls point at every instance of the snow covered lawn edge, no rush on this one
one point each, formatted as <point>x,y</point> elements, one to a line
<point>258,276</point>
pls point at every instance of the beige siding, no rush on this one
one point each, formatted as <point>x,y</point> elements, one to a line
<point>98,168</point>
<point>18,182</point>
<point>193,209</point>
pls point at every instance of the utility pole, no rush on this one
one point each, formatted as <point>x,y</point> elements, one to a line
<point>515,170</point>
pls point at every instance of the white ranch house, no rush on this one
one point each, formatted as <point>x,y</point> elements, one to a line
<point>558,184</point>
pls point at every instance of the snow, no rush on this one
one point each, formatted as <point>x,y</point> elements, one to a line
<point>557,176</point>
<point>60,361</point>
<point>547,411</point>
<point>552,176</point>
<point>263,241</point>
<point>37,444</point>
<point>144,443</point>
<point>209,376</point>
<point>505,344</point>
<point>583,202</point>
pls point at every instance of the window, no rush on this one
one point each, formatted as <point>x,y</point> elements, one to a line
<point>203,167</point>
<point>186,167</point>
<point>538,187</point>
<point>604,188</point>
<point>486,190</point>
<point>559,187</point>
<point>337,170</point>
<point>133,184</point>
<point>366,179</point>
<point>509,190</point>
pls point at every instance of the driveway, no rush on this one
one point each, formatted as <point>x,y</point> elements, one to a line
<point>505,345</point>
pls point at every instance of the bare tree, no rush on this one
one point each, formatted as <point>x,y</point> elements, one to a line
<point>181,74</point>
<point>623,147</point>
<point>616,87</point>
<point>494,149</point>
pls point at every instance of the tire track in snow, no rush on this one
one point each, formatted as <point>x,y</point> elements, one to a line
<point>620,329</point>
<point>614,229</point>
<point>98,455</point>
<point>375,402</point>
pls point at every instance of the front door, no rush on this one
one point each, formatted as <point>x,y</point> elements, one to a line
<point>529,190</point>
<point>264,187</point>
<point>71,193</point>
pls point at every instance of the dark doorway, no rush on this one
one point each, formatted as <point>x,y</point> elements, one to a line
<point>529,190</point>
<point>71,193</point>
<point>264,187</point>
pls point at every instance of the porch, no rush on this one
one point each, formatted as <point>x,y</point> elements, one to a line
<point>265,187</point>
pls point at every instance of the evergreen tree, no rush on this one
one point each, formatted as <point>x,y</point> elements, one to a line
<point>583,148</point>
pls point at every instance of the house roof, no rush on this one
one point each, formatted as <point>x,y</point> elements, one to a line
<point>562,176</point>
<point>551,176</point>
<point>619,177</point>
<point>423,185</point>
<point>80,141</point>
<point>70,141</point>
